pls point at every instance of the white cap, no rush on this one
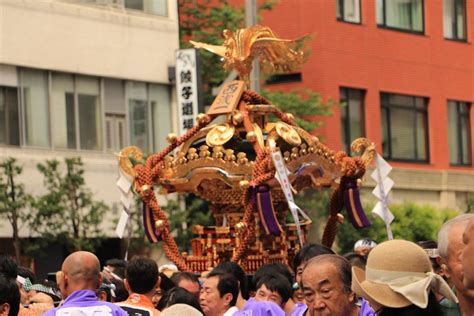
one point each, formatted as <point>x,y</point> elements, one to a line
<point>367,243</point>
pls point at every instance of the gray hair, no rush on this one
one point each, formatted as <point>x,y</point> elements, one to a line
<point>443,234</point>
<point>342,264</point>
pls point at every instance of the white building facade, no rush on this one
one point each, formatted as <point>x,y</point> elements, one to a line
<point>85,78</point>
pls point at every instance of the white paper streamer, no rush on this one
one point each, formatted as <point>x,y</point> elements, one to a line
<point>282,177</point>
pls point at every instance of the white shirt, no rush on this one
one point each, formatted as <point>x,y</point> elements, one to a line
<point>231,311</point>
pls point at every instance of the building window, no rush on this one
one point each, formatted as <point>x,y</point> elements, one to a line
<point>9,116</point>
<point>405,15</point>
<point>404,127</point>
<point>35,107</point>
<point>150,115</point>
<point>284,78</point>
<point>157,7</point>
<point>454,17</point>
<point>76,112</point>
<point>459,133</point>
<point>348,10</point>
<point>352,116</point>
<point>160,100</point>
<point>114,132</point>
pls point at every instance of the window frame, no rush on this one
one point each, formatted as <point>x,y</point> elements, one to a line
<point>459,117</point>
<point>8,109</point>
<point>455,23</point>
<point>341,18</point>
<point>394,28</point>
<point>149,119</point>
<point>388,107</point>
<point>345,128</point>
<point>77,128</point>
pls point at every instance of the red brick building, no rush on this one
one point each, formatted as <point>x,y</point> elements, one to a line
<point>405,70</point>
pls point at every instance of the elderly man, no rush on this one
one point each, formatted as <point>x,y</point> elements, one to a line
<point>450,247</point>
<point>467,256</point>
<point>78,280</point>
<point>219,294</point>
<point>326,284</point>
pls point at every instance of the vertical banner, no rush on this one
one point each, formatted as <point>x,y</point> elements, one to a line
<point>187,88</point>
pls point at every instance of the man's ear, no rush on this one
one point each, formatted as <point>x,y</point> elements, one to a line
<point>158,281</point>
<point>127,286</point>
<point>444,270</point>
<point>352,297</point>
<point>100,280</point>
<point>228,298</point>
<point>4,309</point>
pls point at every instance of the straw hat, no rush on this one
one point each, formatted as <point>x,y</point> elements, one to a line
<point>398,273</point>
<point>179,310</point>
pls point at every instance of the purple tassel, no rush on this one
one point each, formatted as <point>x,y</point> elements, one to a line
<point>354,208</point>
<point>263,200</point>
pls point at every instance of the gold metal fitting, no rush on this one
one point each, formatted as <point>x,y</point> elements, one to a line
<point>251,136</point>
<point>359,182</point>
<point>340,218</point>
<point>145,188</point>
<point>290,116</point>
<point>171,138</point>
<point>244,184</point>
<point>160,224</point>
<point>240,226</point>
<point>201,118</point>
<point>237,118</point>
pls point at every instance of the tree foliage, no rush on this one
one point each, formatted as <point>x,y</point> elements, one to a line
<point>67,213</point>
<point>412,222</point>
<point>303,103</point>
<point>14,201</point>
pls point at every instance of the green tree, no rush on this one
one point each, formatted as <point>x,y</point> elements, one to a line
<point>67,213</point>
<point>13,200</point>
<point>412,222</point>
<point>303,103</point>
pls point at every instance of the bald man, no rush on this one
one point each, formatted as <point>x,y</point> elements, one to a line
<point>78,280</point>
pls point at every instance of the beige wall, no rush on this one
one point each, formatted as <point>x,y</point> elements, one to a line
<point>80,38</point>
<point>444,189</point>
<point>88,39</point>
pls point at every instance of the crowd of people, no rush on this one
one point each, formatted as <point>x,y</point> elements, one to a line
<point>395,277</point>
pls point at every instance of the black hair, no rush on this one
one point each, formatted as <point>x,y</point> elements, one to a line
<point>178,295</point>
<point>310,251</point>
<point>227,284</point>
<point>239,273</point>
<point>106,287</point>
<point>9,293</point>
<point>27,273</point>
<point>179,276</point>
<point>356,260</point>
<point>272,269</point>
<point>121,293</point>
<point>8,267</point>
<point>433,309</point>
<point>119,266</point>
<point>277,283</point>
<point>166,283</point>
<point>141,275</point>
<point>116,263</point>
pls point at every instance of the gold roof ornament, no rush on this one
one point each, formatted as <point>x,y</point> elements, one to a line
<point>248,168</point>
<point>241,47</point>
